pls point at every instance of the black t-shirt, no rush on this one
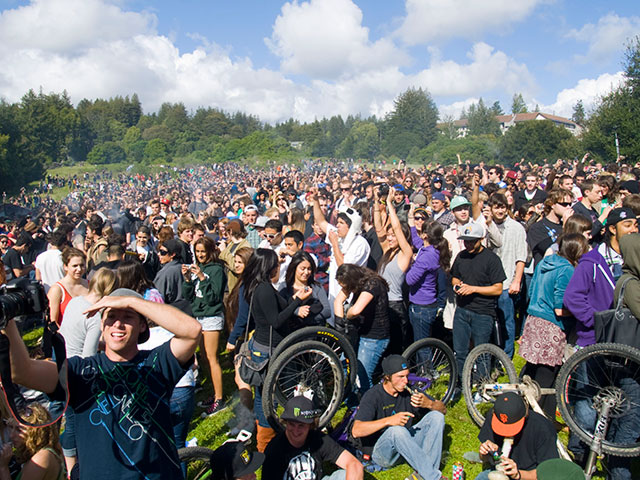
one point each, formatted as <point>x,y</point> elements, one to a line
<point>286,462</point>
<point>13,259</point>
<point>376,403</point>
<point>542,235</point>
<point>535,443</point>
<point>375,316</point>
<point>481,269</point>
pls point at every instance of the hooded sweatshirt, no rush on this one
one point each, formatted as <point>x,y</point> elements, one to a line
<point>590,290</point>
<point>548,285</point>
<point>630,249</point>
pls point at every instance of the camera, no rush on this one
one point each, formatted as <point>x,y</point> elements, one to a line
<point>383,190</point>
<point>21,297</point>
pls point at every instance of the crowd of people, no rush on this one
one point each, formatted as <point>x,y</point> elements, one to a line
<point>142,271</point>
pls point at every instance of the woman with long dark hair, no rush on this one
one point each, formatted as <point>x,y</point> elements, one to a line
<point>133,275</point>
<point>422,278</point>
<point>300,275</point>
<point>271,314</point>
<point>368,311</point>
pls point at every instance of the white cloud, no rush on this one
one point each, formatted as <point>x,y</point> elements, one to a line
<point>454,109</point>
<point>589,90</point>
<point>606,38</point>
<point>433,20</point>
<point>326,39</point>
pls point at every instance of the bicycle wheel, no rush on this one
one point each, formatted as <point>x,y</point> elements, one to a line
<point>198,460</point>
<point>595,375</point>
<point>338,343</point>
<point>311,368</point>
<point>432,367</point>
<point>486,364</point>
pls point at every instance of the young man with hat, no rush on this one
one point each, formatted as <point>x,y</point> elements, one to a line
<point>301,450</point>
<point>120,397</point>
<point>439,210</point>
<point>620,222</point>
<point>393,423</point>
<point>477,276</point>
<point>461,208</point>
<point>232,461</point>
<point>534,438</point>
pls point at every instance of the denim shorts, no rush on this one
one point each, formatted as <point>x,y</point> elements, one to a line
<point>211,324</point>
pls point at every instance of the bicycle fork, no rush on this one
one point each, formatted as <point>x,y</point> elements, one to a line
<point>599,434</point>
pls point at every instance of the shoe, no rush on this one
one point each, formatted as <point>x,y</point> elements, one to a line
<point>216,407</point>
<point>414,476</point>
<point>477,399</point>
<point>206,403</point>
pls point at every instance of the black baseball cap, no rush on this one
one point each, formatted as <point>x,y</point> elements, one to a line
<point>393,364</point>
<point>300,409</point>
<point>620,215</point>
<point>509,412</point>
<point>233,460</point>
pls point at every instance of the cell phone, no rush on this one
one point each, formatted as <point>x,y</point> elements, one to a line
<point>456,288</point>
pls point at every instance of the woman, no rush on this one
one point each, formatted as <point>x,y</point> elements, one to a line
<point>369,311</point>
<point>236,239</point>
<point>204,285</point>
<point>271,314</point>
<point>544,336</point>
<point>72,285</point>
<point>38,449</point>
<point>393,266</point>
<point>132,275</point>
<point>422,278</point>
<point>300,275</point>
<point>295,221</point>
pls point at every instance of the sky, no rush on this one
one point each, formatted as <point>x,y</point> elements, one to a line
<point>317,58</point>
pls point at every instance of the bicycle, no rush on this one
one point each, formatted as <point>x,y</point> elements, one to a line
<point>600,378</point>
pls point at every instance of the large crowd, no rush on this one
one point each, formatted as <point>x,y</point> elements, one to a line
<point>142,271</point>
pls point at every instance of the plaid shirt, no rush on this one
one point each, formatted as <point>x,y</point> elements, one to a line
<point>316,246</point>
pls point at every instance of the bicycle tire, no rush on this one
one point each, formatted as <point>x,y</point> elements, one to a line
<point>435,360</point>
<point>198,460</point>
<point>308,366</point>
<point>596,372</point>
<point>475,375</point>
<point>336,340</point>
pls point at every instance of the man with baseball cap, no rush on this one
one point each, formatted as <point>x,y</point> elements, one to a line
<point>439,210</point>
<point>301,450</point>
<point>461,208</point>
<point>232,461</point>
<point>476,276</point>
<point>394,423</point>
<point>120,397</point>
<point>534,438</point>
<point>620,222</point>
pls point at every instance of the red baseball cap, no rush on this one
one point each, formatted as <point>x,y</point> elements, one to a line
<point>509,412</point>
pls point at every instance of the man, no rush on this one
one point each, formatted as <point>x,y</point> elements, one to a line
<point>534,438</point>
<point>293,242</point>
<point>232,461</point>
<point>512,251</point>
<point>198,204</point>
<point>153,210</point>
<point>460,207</point>
<point>169,278</point>
<point>142,246</point>
<point>48,265</point>
<point>249,217</point>
<point>531,193</point>
<point>121,396</point>
<point>392,423</point>
<point>542,234</point>
<point>13,259</point>
<point>400,202</point>
<point>274,240</point>
<point>95,243</point>
<point>185,237</point>
<point>592,194</point>
<point>115,255</point>
<point>301,450</point>
<point>477,278</point>
<point>321,251</point>
<point>293,200</point>
<point>439,210</point>
<point>495,176</point>
<point>348,199</point>
<point>620,222</point>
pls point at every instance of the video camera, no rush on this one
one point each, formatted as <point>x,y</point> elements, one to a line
<point>21,297</point>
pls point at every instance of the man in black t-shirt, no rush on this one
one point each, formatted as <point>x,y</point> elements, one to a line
<point>393,423</point>
<point>533,438</point>
<point>13,258</point>
<point>300,451</point>
<point>477,277</point>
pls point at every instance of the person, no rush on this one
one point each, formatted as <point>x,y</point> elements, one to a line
<point>548,323</point>
<point>302,450</point>
<point>38,449</point>
<point>271,314</point>
<point>185,237</point>
<point>236,239</point>
<point>559,469</point>
<point>592,195</point>
<point>393,424</point>
<point>534,438</point>
<point>49,265</point>
<point>72,285</point>
<point>542,234</point>
<point>143,247</point>
<point>531,193</point>
<point>117,439</point>
<point>197,205</point>
<point>233,461</point>
<point>249,218</point>
<point>274,240</point>
<point>321,251</point>
<point>477,277</point>
<point>168,280</point>
<point>460,206</point>
<point>439,210</point>
<point>204,285</point>
<point>369,312</point>
<point>620,222</point>
<point>131,274</point>
<point>13,258</point>
<point>300,275</point>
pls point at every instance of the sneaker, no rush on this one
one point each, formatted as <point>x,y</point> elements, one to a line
<point>206,403</point>
<point>414,476</point>
<point>216,407</point>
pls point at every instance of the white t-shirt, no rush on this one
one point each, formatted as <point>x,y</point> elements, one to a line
<point>357,252</point>
<point>51,268</point>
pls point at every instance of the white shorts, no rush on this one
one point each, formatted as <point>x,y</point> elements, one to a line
<point>211,324</point>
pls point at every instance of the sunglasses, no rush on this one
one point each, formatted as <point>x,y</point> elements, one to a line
<point>565,204</point>
<point>419,218</point>
<point>163,252</point>
<point>345,189</point>
<point>271,236</point>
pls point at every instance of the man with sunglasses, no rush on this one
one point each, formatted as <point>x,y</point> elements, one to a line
<point>168,280</point>
<point>592,194</point>
<point>544,233</point>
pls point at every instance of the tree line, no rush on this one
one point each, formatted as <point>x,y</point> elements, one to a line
<point>42,130</point>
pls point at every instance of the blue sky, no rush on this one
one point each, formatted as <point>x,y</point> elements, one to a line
<point>315,58</point>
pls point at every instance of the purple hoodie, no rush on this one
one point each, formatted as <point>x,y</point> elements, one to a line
<point>590,290</point>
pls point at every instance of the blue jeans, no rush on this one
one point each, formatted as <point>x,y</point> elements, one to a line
<point>68,437</point>
<point>422,318</point>
<point>259,353</point>
<point>469,325</point>
<point>370,351</point>
<point>507,312</point>
<point>181,405</point>
<point>420,446</point>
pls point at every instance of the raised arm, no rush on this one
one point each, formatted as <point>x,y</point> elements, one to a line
<point>406,251</point>
<point>318,216</point>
